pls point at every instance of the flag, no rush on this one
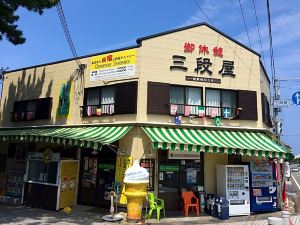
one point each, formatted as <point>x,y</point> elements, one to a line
<point>226,113</point>
<point>187,110</point>
<point>89,110</point>
<point>201,111</point>
<point>213,112</point>
<point>178,120</point>
<point>173,109</point>
<point>217,121</point>
<point>98,111</point>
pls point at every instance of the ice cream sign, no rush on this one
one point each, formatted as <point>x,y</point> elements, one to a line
<point>136,174</point>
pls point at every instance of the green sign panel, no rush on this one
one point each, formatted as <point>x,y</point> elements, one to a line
<point>166,168</point>
<point>106,166</point>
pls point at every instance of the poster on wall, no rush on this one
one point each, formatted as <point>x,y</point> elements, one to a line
<point>115,65</point>
<point>149,164</point>
<point>64,99</point>
<point>123,162</point>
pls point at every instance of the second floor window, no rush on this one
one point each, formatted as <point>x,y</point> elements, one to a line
<point>221,103</point>
<point>28,110</point>
<point>100,101</point>
<point>185,100</point>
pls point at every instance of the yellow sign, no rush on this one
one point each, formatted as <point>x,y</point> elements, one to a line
<point>115,65</point>
<point>123,163</point>
<point>69,183</point>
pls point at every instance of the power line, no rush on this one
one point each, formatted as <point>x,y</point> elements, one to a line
<point>66,32</point>
<point>245,23</point>
<point>203,12</point>
<point>258,31</point>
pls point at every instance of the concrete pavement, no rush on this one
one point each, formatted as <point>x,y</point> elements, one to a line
<point>85,215</point>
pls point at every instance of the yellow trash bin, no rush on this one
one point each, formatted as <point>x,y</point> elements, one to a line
<point>136,181</point>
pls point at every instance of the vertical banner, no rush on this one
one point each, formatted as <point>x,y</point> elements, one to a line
<point>69,181</point>
<point>64,99</point>
<point>123,162</point>
<point>149,164</point>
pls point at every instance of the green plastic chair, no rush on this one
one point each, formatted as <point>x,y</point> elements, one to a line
<point>156,204</point>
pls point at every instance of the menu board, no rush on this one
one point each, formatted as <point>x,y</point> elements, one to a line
<point>149,164</point>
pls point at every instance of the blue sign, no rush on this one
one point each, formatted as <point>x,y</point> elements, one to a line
<point>296,98</point>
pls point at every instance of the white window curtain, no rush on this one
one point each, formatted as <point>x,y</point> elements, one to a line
<point>93,97</point>
<point>228,99</point>
<point>193,98</point>
<point>213,99</point>
<point>107,100</point>
<point>177,98</point>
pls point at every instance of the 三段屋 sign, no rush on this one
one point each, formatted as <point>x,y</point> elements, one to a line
<point>115,65</point>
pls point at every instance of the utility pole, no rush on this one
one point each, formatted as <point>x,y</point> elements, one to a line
<point>277,103</point>
<point>276,108</point>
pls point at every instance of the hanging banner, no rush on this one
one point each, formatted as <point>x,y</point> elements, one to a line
<point>149,164</point>
<point>64,99</point>
<point>115,65</point>
<point>122,164</point>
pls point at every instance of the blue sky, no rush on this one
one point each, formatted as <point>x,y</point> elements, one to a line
<point>97,26</point>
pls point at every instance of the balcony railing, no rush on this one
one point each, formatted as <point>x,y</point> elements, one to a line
<point>203,111</point>
<point>97,110</point>
<point>22,116</point>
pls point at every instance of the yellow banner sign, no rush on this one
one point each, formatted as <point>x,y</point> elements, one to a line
<point>113,65</point>
<point>122,164</point>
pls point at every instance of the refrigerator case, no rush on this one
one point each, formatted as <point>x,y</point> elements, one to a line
<point>263,193</point>
<point>233,184</point>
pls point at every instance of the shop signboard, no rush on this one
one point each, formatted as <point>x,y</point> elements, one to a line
<point>168,168</point>
<point>149,164</point>
<point>115,65</point>
<point>183,155</point>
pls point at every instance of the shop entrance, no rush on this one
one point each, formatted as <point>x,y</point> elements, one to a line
<point>176,173</point>
<point>97,174</point>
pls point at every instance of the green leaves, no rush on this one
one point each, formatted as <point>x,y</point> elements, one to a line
<point>8,19</point>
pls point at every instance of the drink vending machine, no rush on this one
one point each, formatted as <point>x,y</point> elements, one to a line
<point>233,184</point>
<point>263,193</point>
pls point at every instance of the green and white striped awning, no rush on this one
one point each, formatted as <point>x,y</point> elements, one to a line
<point>89,137</point>
<point>215,141</point>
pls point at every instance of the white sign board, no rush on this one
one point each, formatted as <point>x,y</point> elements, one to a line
<point>183,155</point>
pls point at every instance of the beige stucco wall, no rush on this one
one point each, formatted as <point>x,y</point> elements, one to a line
<point>153,61</point>
<point>210,178</point>
<point>156,54</point>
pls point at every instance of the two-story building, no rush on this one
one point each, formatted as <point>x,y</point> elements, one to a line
<point>183,100</point>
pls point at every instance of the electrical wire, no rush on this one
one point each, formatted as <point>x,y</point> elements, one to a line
<point>67,33</point>
<point>258,31</point>
<point>245,23</point>
<point>271,42</point>
<point>203,12</point>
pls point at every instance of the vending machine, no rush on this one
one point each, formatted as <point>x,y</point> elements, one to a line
<point>263,193</point>
<point>233,184</point>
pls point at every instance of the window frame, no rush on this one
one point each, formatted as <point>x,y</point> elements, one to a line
<point>22,107</point>
<point>185,88</point>
<point>100,90</point>
<point>235,116</point>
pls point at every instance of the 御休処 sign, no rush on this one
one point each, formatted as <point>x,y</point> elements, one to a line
<point>115,65</point>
